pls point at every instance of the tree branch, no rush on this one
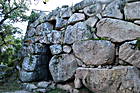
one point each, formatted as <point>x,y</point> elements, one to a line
<point>6,15</point>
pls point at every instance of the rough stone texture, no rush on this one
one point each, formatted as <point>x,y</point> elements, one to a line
<point>66,12</point>
<point>60,23</point>
<point>52,15</point>
<point>35,68</point>
<point>67,49</point>
<point>41,90</point>
<point>27,76</point>
<point>114,9</point>
<point>122,79</point>
<point>129,55</point>
<point>93,10</point>
<point>117,30</point>
<point>43,27</point>
<point>55,36</point>
<point>68,88</point>
<point>43,84</point>
<point>30,87</point>
<point>41,48</point>
<point>132,11</point>
<point>36,48</point>
<point>98,52</point>
<point>30,32</point>
<point>94,34</point>
<point>56,49</point>
<point>91,21</point>
<point>76,17</point>
<point>62,67</point>
<point>34,62</point>
<point>79,31</point>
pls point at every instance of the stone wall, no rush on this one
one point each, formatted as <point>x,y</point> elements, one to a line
<point>92,44</point>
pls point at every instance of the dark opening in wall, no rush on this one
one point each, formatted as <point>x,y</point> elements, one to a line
<point>45,58</point>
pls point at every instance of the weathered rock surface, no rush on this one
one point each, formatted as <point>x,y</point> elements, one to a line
<point>67,49</point>
<point>55,36</point>
<point>117,30</point>
<point>36,48</point>
<point>93,10</point>
<point>56,49</point>
<point>28,76</point>
<point>43,27</point>
<point>30,32</point>
<point>60,23</point>
<point>62,67</point>
<point>34,62</point>
<point>132,11</point>
<point>79,31</point>
<point>94,52</point>
<point>52,15</point>
<point>129,55</point>
<point>30,87</point>
<point>76,17</point>
<point>91,21</point>
<point>122,79</point>
<point>114,9</point>
<point>43,84</point>
<point>93,36</point>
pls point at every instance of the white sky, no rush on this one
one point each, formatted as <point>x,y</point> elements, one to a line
<point>51,5</point>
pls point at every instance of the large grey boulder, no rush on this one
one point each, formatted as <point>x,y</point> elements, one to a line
<point>35,68</point>
<point>62,67</point>
<point>122,79</point>
<point>132,11</point>
<point>114,9</point>
<point>40,73</point>
<point>27,76</point>
<point>55,37</point>
<point>77,32</point>
<point>117,30</point>
<point>35,61</point>
<point>95,52</point>
<point>43,27</point>
<point>129,55</point>
<point>76,17</point>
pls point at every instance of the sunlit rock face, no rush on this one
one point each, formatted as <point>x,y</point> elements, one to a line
<point>93,44</point>
<point>121,79</point>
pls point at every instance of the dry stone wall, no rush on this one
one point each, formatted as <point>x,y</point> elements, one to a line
<point>94,43</point>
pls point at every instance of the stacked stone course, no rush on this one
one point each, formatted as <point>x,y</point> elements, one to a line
<point>91,44</point>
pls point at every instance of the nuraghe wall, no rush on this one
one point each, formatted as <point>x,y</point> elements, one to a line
<point>94,44</point>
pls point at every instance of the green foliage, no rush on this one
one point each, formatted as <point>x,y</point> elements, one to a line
<point>33,16</point>
<point>9,52</point>
<point>11,11</point>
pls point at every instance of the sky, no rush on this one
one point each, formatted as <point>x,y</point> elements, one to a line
<point>51,5</point>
